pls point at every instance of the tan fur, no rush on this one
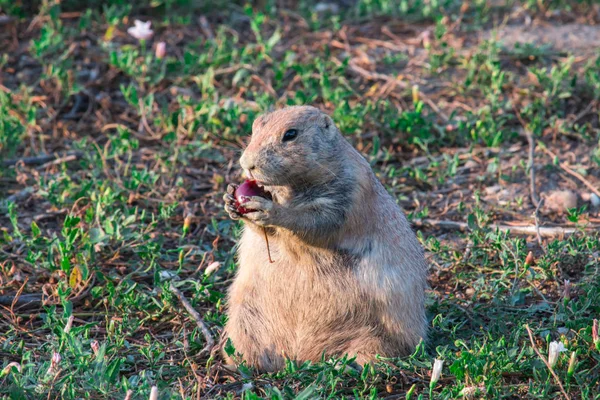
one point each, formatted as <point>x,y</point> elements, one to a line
<point>357,288</point>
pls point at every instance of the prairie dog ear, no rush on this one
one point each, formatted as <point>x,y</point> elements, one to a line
<point>258,122</point>
<point>327,125</point>
<point>327,121</point>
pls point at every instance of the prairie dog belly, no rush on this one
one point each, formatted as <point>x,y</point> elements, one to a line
<point>306,301</point>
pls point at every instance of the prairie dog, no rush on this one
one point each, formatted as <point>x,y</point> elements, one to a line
<point>349,275</point>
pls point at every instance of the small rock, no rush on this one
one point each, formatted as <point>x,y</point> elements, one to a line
<point>166,275</point>
<point>323,8</point>
<point>471,164</point>
<point>490,190</point>
<point>563,330</point>
<point>560,201</point>
<point>246,387</point>
<point>595,200</point>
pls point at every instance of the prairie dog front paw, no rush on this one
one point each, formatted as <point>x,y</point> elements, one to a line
<point>231,203</point>
<point>261,211</point>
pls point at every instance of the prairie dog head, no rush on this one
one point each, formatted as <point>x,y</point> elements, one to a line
<point>294,146</point>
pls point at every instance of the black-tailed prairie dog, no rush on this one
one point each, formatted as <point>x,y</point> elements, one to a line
<point>348,274</point>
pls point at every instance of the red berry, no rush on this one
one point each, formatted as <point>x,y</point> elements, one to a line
<point>246,190</point>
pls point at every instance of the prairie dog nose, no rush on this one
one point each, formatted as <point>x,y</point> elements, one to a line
<point>247,162</point>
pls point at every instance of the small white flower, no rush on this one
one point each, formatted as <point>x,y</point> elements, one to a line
<point>141,30</point>
<point>212,268</point>
<point>153,393</point>
<point>437,372</point>
<point>161,50</point>
<point>128,394</point>
<point>56,358</point>
<point>68,325</point>
<point>555,349</point>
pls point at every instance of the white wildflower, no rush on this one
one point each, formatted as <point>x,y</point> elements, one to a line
<point>161,50</point>
<point>141,30</point>
<point>56,358</point>
<point>153,393</point>
<point>436,373</point>
<point>69,324</point>
<point>555,349</point>
<point>212,268</point>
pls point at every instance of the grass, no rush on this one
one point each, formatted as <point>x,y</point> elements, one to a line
<point>142,149</point>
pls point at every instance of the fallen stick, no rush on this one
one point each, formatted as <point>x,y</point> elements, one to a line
<point>531,167</point>
<point>205,26</point>
<point>210,342</point>
<point>16,197</point>
<point>544,231</point>
<point>530,164</point>
<point>57,161</point>
<point>22,300</point>
<point>39,160</point>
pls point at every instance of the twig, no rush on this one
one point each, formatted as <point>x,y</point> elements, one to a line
<point>77,107</point>
<point>577,175</point>
<point>380,43</point>
<point>210,342</point>
<point>531,167</point>
<point>16,198</point>
<point>521,230</point>
<point>434,107</point>
<point>233,68</point>
<point>584,112</point>
<point>57,161</point>
<point>536,217</point>
<point>556,378</point>
<point>39,160</point>
<point>205,26</point>
<point>22,300</point>
<point>375,76</point>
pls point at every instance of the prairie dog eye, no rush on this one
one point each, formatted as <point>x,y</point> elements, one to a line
<point>289,135</point>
